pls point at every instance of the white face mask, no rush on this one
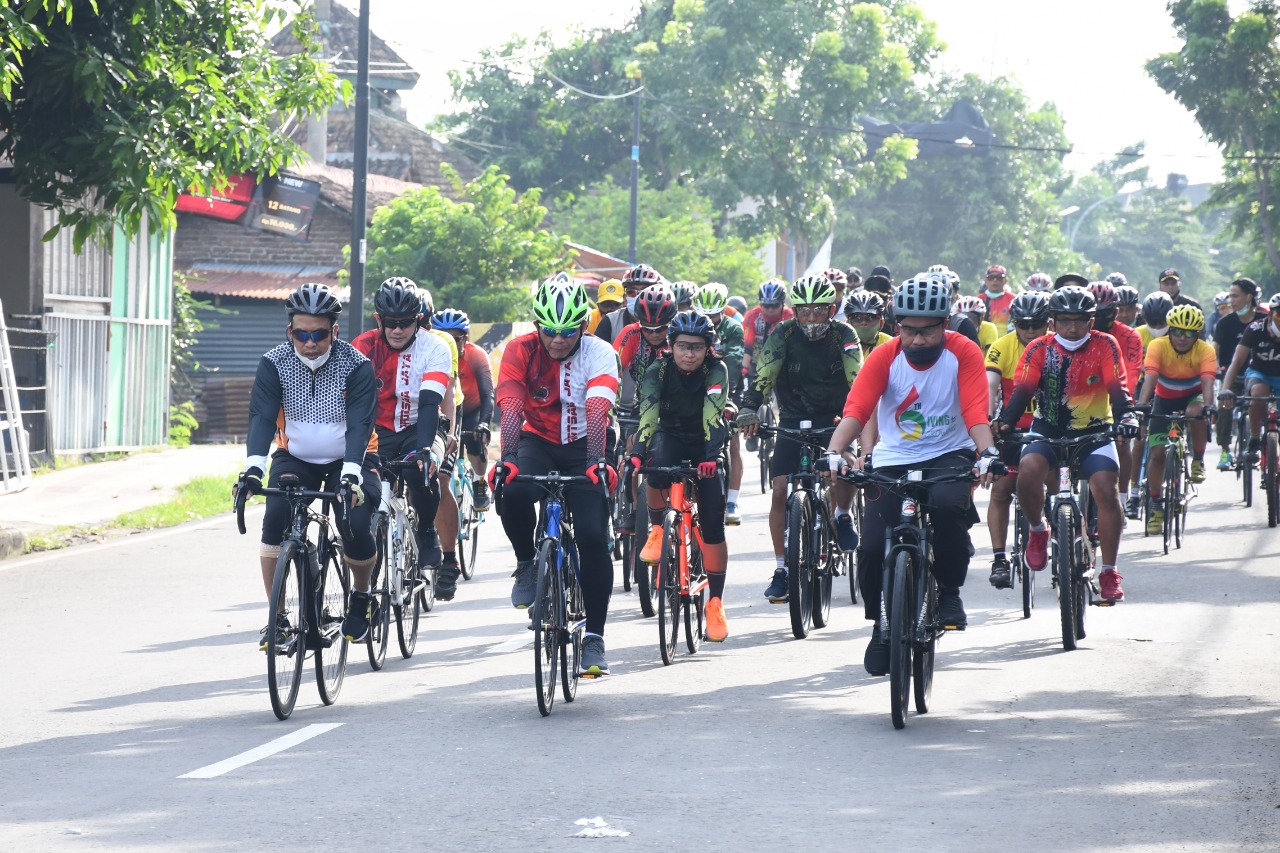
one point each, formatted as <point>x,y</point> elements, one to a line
<point>1275,330</point>
<point>314,364</point>
<point>1071,346</point>
<point>1158,333</point>
<point>631,304</point>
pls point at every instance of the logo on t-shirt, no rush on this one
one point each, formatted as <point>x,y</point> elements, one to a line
<point>910,421</point>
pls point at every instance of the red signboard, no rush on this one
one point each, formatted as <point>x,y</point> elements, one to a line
<point>227,202</point>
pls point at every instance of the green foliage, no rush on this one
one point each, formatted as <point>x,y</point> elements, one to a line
<point>675,235</point>
<point>477,254</point>
<point>182,423</point>
<point>967,210</point>
<point>110,110</point>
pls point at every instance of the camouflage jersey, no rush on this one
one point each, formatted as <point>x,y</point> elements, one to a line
<point>810,378</point>
<point>729,346</point>
<point>688,407</point>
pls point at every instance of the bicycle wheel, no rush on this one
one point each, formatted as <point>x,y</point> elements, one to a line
<point>1025,576</point>
<point>922,660</point>
<point>427,586</point>
<point>823,555</point>
<point>468,526</point>
<point>799,556</point>
<point>766,448</point>
<point>475,544</point>
<point>380,629</point>
<point>1180,509</point>
<point>286,642</point>
<point>668,581</point>
<point>901,629</point>
<point>1064,529</point>
<point>851,563</point>
<point>409,611</point>
<point>1269,472</point>
<point>694,626</point>
<point>331,656</point>
<point>571,632</point>
<point>1172,491</point>
<point>1246,476</point>
<point>546,628</point>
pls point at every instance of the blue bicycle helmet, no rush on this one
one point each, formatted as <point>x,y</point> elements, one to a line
<point>452,320</point>
<point>773,293</point>
<point>691,323</point>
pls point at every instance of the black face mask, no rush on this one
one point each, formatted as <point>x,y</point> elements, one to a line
<point>1104,320</point>
<point>924,356</point>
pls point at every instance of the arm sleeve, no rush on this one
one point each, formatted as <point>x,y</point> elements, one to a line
<point>852,355</point>
<point>650,395</point>
<point>1151,362</point>
<point>714,429</point>
<point>1208,362</point>
<point>264,408</point>
<point>602,394</point>
<point>1026,380</point>
<point>483,372</point>
<point>975,397</point>
<point>1133,360</point>
<point>870,384</point>
<point>362,401</point>
<point>1117,386</point>
<point>766,369</point>
<point>628,344</point>
<point>734,350</point>
<point>749,330</point>
<point>511,397</point>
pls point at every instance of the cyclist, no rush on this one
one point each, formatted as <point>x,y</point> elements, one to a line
<point>739,305</point>
<point>684,291</point>
<point>959,321</point>
<point>642,342</point>
<point>975,309</point>
<point>770,310</point>
<point>1077,377</point>
<point>634,280</point>
<point>315,395</point>
<point>408,361</point>
<point>1221,308</point>
<point>1029,314</point>
<point>1155,311</point>
<point>1106,320</point>
<point>475,378</point>
<point>683,398</point>
<point>1038,282</point>
<point>838,280</point>
<point>1129,304</point>
<point>610,296</point>
<point>1171,283</point>
<point>997,296</point>
<point>1180,371</point>
<point>556,388</point>
<point>1258,355</point>
<point>809,363</point>
<point>1243,294</point>
<point>853,276</point>
<point>710,302</point>
<point>926,391</point>
<point>1118,279</point>
<point>864,311</point>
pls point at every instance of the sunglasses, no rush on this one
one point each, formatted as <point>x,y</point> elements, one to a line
<point>864,319</point>
<point>567,334</point>
<point>402,323</point>
<point>1183,333</point>
<point>303,337</point>
<point>918,331</point>
<point>1028,325</point>
<point>654,330</point>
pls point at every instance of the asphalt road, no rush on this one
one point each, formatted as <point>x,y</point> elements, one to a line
<point>135,663</point>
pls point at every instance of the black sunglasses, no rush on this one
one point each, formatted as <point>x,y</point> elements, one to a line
<point>400,323</point>
<point>1028,325</point>
<point>302,336</point>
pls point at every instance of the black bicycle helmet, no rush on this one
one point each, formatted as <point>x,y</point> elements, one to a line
<point>1032,305</point>
<point>641,275</point>
<point>315,299</point>
<point>863,302</point>
<point>1072,299</point>
<point>1156,308</point>
<point>1127,294</point>
<point>655,306</point>
<point>398,297</point>
<point>691,323</point>
<point>684,291</point>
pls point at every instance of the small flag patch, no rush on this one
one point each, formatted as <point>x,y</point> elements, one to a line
<point>714,390</point>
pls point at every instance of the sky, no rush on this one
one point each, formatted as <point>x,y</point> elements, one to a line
<point>1085,57</point>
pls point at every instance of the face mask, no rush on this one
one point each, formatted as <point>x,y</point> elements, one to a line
<point>866,334</point>
<point>999,291</point>
<point>1071,346</point>
<point>1245,310</point>
<point>814,331</point>
<point>1275,330</point>
<point>924,356</point>
<point>1158,333</point>
<point>631,304</point>
<point>1103,322</point>
<point>314,364</point>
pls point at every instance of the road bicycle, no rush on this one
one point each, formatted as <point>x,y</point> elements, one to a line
<point>768,420</point>
<point>627,510</point>
<point>308,597</point>
<point>397,581</point>
<point>810,550</point>
<point>909,595</point>
<point>469,518</point>
<point>1176,489</point>
<point>558,617</point>
<point>1019,572</point>
<point>1269,461</point>
<point>681,577</point>
<point>1073,538</point>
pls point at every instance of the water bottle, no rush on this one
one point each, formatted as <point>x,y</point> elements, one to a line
<point>313,561</point>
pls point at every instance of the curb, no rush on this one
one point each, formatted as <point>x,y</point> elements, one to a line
<point>13,543</point>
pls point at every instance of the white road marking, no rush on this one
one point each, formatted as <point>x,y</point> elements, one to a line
<point>515,644</point>
<point>270,748</point>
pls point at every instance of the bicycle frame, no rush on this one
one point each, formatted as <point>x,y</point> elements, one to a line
<point>402,520</point>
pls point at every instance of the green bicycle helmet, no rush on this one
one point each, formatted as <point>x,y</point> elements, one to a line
<point>711,298</point>
<point>812,290</point>
<point>560,303</point>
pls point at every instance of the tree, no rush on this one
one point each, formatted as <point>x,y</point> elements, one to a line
<point>967,210</point>
<point>677,234</point>
<point>110,110</point>
<point>1227,73</point>
<point>477,254</point>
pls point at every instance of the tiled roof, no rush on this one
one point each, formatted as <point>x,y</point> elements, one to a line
<point>258,281</point>
<point>386,67</point>
<point>336,183</point>
<point>588,260</point>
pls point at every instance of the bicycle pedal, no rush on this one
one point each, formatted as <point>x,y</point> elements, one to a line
<point>954,627</point>
<point>1102,602</point>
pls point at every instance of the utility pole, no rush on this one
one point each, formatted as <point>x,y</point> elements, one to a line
<point>634,74</point>
<point>361,174</point>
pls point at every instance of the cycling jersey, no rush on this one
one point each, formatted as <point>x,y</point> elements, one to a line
<point>756,328</point>
<point>998,306</point>
<point>1179,375</point>
<point>635,354</point>
<point>1263,346</point>
<point>880,338</point>
<point>1002,358</point>
<point>919,411</point>
<point>687,406</point>
<point>319,417</point>
<point>730,347</point>
<point>552,395</point>
<point>810,378</point>
<point>1073,390</point>
<point>399,375</point>
<point>1144,334</point>
<point>987,335</point>
<point>475,377</point>
<point>1228,332</point>
<point>1132,349</point>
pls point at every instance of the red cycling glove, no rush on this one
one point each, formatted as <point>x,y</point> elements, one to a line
<point>509,470</point>
<point>611,475</point>
<point>706,470</point>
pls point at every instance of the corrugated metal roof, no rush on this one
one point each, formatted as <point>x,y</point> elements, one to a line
<point>235,336</point>
<point>260,281</point>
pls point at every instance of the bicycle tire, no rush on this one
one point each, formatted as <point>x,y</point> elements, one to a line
<point>766,449</point>
<point>1021,570</point>
<point>668,581</point>
<point>284,663</point>
<point>409,612</point>
<point>1246,477</point>
<point>1270,478</point>
<point>851,562</point>
<point>335,588</point>
<point>468,518</point>
<point>799,534</point>
<point>1085,562</point>
<point>1063,561</point>
<point>546,640</point>
<point>571,634</point>
<point>901,629</point>
<point>823,557</point>
<point>694,605</point>
<point>1171,492</point>
<point>1180,516</point>
<point>427,588</point>
<point>380,629</point>
<point>923,657</point>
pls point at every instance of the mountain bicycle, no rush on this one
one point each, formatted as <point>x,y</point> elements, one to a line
<point>681,578</point>
<point>397,581</point>
<point>1176,489</point>
<point>627,510</point>
<point>558,616</point>
<point>909,597</point>
<point>810,548</point>
<point>1269,461</point>
<point>308,597</point>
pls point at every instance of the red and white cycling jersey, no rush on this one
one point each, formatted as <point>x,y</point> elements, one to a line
<point>554,393</point>
<point>425,363</point>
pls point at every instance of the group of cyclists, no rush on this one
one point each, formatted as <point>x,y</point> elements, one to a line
<point>903,375</point>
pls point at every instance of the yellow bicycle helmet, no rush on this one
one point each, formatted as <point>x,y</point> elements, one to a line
<point>1187,317</point>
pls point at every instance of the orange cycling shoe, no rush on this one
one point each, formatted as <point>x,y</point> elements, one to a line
<point>717,630</point>
<point>652,550</point>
